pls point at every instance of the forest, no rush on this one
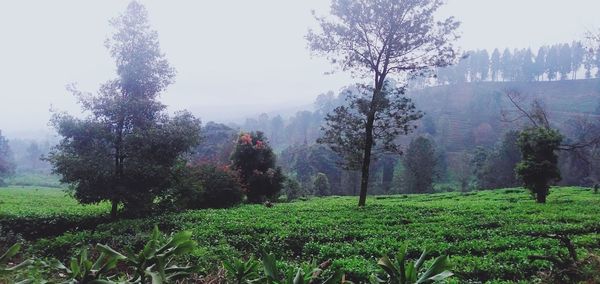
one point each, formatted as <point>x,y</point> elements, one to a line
<point>434,164</point>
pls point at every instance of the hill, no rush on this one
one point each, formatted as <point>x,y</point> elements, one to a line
<point>487,234</point>
<point>470,114</point>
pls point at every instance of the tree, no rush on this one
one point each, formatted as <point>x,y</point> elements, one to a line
<point>218,141</point>
<point>484,64</point>
<point>419,166</point>
<point>7,167</point>
<point>540,63</point>
<point>538,168</point>
<point>254,161</point>
<point>321,186</point>
<point>552,62</point>
<point>125,149</point>
<point>463,171</point>
<point>577,56</point>
<point>506,63</point>
<point>565,61</point>
<point>378,39</point>
<point>495,64</point>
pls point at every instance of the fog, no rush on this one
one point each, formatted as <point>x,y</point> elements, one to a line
<point>233,58</point>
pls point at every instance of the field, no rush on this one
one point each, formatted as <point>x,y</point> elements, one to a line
<point>487,234</point>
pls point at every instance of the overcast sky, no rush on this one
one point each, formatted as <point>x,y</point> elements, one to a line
<point>233,57</point>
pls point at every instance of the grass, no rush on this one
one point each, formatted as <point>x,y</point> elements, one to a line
<point>34,180</point>
<point>487,234</point>
<point>41,202</point>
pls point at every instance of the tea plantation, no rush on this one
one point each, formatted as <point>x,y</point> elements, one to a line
<point>488,234</point>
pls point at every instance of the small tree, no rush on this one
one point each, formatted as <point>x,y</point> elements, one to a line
<point>538,168</point>
<point>379,40</point>
<point>321,185</point>
<point>7,167</point>
<point>254,161</point>
<point>419,166</point>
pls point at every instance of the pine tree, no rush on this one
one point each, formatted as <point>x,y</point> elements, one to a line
<point>506,63</point>
<point>484,64</point>
<point>578,54</point>
<point>564,61</point>
<point>552,62</point>
<point>495,64</point>
<point>540,63</point>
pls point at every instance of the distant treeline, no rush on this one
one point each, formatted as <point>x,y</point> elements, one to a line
<point>555,62</point>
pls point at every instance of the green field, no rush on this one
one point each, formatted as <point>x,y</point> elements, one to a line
<point>487,234</point>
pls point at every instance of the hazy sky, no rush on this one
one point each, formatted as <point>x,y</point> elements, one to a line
<point>233,57</point>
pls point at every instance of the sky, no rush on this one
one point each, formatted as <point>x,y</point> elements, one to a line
<point>234,58</point>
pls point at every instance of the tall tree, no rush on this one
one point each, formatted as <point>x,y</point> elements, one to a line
<point>564,61</point>
<point>419,166</point>
<point>125,149</point>
<point>495,64</point>
<point>552,62</point>
<point>7,167</point>
<point>577,56</point>
<point>506,63</point>
<point>377,39</point>
<point>540,63</point>
<point>484,65</point>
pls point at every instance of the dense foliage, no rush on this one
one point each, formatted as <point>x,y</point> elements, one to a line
<point>7,166</point>
<point>254,161</point>
<point>419,166</point>
<point>125,149</point>
<point>494,245</point>
<point>538,168</point>
<point>196,186</point>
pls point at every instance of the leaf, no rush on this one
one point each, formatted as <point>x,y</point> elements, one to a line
<point>12,251</point>
<point>388,266</point>
<point>109,251</point>
<point>270,266</point>
<point>421,260</point>
<point>439,265</point>
<point>441,276</point>
<point>299,278</point>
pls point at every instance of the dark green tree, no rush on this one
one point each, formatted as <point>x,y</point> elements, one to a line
<point>124,150</point>
<point>538,167</point>
<point>254,161</point>
<point>377,40</point>
<point>321,185</point>
<point>7,166</point>
<point>419,166</point>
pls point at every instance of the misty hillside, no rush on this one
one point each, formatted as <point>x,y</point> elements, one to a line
<point>471,113</point>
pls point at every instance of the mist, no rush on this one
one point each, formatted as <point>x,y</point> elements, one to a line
<point>234,59</point>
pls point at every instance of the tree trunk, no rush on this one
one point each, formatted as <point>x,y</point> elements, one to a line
<point>364,180</point>
<point>113,210</point>
<point>541,197</point>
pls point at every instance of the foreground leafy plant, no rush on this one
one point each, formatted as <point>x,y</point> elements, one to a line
<point>402,271</point>
<point>248,272</point>
<point>82,270</point>
<point>240,271</point>
<point>154,264</point>
<point>5,267</point>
